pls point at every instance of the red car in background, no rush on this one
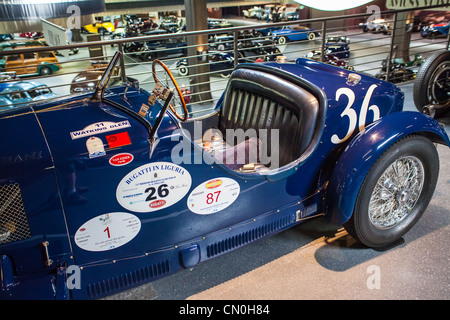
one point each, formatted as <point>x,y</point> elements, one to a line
<point>31,35</point>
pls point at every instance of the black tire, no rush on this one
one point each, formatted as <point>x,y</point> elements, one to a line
<point>282,40</point>
<point>183,70</point>
<point>221,47</point>
<point>365,224</point>
<point>437,66</point>
<point>45,71</point>
<point>147,56</point>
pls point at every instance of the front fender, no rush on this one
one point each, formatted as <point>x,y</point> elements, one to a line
<point>362,152</point>
<point>52,65</point>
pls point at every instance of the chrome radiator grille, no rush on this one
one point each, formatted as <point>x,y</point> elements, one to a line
<point>13,219</point>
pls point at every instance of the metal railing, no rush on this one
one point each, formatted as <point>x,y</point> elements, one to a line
<point>371,53</point>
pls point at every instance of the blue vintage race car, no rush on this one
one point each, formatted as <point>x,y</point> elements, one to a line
<point>106,191</point>
<point>435,30</point>
<point>285,34</point>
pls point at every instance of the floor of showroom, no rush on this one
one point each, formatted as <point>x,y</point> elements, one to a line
<point>316,260</point>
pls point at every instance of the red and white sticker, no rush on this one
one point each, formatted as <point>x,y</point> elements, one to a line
<point>118,140</point>
<point>153,186</point>
<point>121,159</point>
<point>213,196</point>
<point>107,231</point>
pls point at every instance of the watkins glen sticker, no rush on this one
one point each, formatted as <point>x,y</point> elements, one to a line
<point>99,127</point>
<point>213,196</point>
<point>121,159</point>
<point>107,231</point>
<point>153,186</point>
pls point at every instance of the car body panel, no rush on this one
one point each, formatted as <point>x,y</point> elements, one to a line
<point>21,92</point>
<point>96,26</point>
<point>434,30</point>
<point>30,63</point>
<point>293,34</point>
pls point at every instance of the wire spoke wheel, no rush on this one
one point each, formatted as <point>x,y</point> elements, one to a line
<point>163,76</point>
<point>439,86</point>
<point>396,192</point>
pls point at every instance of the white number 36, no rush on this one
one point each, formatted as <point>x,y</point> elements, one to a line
<point>351,113</point>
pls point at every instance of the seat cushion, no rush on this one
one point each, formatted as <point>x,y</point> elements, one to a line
<point>258,100</point>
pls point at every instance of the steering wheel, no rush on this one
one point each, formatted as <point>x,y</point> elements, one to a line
<point>167,80</point>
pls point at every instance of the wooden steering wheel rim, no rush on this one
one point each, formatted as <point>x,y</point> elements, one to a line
<point>177,88</point>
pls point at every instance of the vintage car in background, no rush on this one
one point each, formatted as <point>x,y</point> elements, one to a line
<point>338,46</point>
<point>171,27</point>
<point>136,24</point>
<point>218,24</point>
<point>248,46</point>
<point>109,190</point>
<point>5,36</point>
<point>157,49</point>
<point>398,73</point>
<point>220,63</point>
<point>329,58</point>
<point>32,35</point>
<point>377,25</point>
<point>254,13</point>
<point>435,30</point>
<point>264,32</point>
<point>221,42</point>
<point>264,49</point>
<point>431,90</point>
<point>8,76</point>
<point>400,70</point>
<point>18,93</point>
<point>289,13</point>
<point>285,34</point>
<point>31,63</point>
<point>87,80</point>
<point>99,27</point>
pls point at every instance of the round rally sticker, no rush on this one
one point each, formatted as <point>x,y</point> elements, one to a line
<point>153,187</point>
<point>107,231</point>
<point>213,195</point>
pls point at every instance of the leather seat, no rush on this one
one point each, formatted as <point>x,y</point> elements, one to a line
<point>258,100</point>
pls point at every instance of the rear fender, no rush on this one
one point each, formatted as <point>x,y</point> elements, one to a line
<point>363,151</point>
